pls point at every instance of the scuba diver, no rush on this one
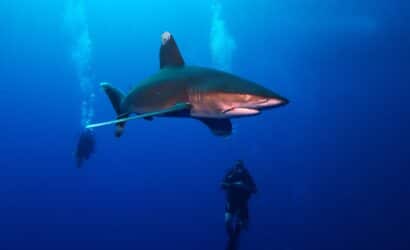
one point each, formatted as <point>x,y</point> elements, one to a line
<point>85,146</point>
<point>239,186</point>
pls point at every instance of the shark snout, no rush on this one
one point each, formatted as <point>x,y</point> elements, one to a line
<point>278,101</point>
<point>266,102</point>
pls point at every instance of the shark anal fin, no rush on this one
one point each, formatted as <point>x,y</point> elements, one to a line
<point>219,127</point>
<point>169,54</point>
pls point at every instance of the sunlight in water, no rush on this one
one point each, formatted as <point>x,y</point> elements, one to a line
<point>75,20</point>
<point>222,43</point>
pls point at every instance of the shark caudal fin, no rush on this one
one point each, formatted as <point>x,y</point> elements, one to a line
<point>116,97</point>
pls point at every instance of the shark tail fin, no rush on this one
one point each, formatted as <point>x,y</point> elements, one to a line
<point>116,97</point>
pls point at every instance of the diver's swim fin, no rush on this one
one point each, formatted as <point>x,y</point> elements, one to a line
<point>233,241</point>
<point>177,107</point>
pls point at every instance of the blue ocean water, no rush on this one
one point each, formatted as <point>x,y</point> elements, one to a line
<point>332,167</point>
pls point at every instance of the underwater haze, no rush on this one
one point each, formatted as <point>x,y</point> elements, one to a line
<point>332,166</point>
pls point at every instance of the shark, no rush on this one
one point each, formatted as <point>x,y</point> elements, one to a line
<point>208,95</point>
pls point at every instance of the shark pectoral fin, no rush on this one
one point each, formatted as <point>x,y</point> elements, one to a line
<point>219,127</point>
<point>169,54</point>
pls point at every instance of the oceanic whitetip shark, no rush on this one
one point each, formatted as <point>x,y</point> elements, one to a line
<point>177,90</point>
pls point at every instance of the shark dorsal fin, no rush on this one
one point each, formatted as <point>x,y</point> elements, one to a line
<point>169,54</point>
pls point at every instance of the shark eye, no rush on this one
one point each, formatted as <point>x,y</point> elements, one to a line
<point>165,37</point>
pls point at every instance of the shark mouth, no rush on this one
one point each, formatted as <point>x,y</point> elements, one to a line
<point>240,112</point>
<point>252,109</point>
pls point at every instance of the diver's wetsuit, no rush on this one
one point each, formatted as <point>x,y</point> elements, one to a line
<point>85,146</point>
<point>239,186</point>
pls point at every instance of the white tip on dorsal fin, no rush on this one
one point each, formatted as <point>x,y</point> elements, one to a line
<point>169,54</point>
<point>165,37</point>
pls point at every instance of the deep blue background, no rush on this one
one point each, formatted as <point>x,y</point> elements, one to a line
<point>332,167</point>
